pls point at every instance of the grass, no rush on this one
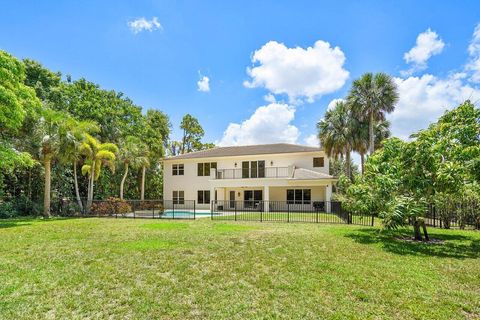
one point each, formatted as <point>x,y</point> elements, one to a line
<point>125,268</point>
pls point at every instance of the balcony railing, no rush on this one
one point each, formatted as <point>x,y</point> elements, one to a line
<point>269,172</point>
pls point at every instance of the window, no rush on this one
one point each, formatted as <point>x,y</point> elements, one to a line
<point>203,196</point>
<point>318,162</point>
<point>177,170</point>
<point>253,169</point>
<point>203,169</point>
<point>299,196</point>
<point>178,197</point>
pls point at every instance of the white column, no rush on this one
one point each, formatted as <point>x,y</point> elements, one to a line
<point>266,197</point>
<point>328,197</point>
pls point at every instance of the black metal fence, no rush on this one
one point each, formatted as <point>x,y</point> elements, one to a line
<point>461,215</point>
<point>164,209</point>
<point>286,211</point>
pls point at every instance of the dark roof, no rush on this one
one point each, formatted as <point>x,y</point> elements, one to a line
<point>275,148</point>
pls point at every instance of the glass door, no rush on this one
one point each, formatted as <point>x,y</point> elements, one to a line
<point>232,200</point>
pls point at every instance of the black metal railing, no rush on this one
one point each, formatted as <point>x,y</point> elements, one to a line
<point>165,209</point>
<point>248,173</point>
<point>461,215</point>
<point>285,211</point>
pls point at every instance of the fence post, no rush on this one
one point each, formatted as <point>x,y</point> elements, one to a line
<point>288,211</point>
<point>373,219</point>
<point>173,209</point>
<point>153,209</point>
<point>261,211</point>
<point>235,206</point>
<point>211,210</point>
<point>194,210</point>
<point>316,215</point>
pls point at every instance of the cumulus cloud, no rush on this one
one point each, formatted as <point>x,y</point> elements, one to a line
<point>268,124</point>
<point>474,52</point>
<point>333,103</point>
<point>423,99</point>
<point>142,24</point>
<point>428,44</point>
<point>312,140</point>
<point>297,72</point>
<point>203,84</point>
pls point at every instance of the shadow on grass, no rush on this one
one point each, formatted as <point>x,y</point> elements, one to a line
<point>454,245</point>
<point>25,221</point>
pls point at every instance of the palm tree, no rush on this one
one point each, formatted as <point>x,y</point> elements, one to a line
<point>128,155</point>
<point>97,154</point>
<point>144,162</point>
<point>71,142</point>
<point>335,132</point>
<point>48,130</point>
<point>361,138</point>
<point>371,97</point>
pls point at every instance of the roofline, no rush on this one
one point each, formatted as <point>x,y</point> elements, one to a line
<point>179,157</point>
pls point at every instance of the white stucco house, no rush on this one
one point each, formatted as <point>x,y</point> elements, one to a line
<point>271,172</point>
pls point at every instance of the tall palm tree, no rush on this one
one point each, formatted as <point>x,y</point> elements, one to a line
<point>48,131</point>
<point>71,142</point>
<point>371,97</point>
<point>335,132</point>
<point>128,156</point>
<point>97,155</point>
<point>144,162</point>
<point>361,138</point>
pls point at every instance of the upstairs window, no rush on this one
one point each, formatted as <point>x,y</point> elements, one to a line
<point>203,169</point>
<point>253,169</point>
<point>178,197</point>
<point>177,169</point>
<point>318,162</point>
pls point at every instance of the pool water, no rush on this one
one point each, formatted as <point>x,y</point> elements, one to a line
<point>184,214</point>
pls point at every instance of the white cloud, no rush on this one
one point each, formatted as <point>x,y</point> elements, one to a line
<point>333,103</point>
<point>423,99</point>
<point>312,140</point>
<point>142,24</point>
<point>268,124</point>
<point>428,44</point>
<point>203,84</point>
<point>474,51</point>
<point>300,73</point>
<point>270,98</point>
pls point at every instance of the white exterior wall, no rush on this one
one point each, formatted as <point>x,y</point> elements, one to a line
<point>190,182</point>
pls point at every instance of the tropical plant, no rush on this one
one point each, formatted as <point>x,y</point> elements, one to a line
<point>336,133</point>
<point>97,155</point>
<point>371,97</point>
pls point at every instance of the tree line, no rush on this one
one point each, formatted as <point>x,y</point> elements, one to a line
<point>58,135</point>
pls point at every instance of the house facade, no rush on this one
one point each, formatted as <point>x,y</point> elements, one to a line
<point>249,174</point>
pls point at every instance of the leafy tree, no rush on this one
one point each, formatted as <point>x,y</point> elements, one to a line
<point>129,155</point>
<point>192,134</point>
<point>157,133</point>
<point>97,155</point>
<point>371,97</point>
<point>44,81</point>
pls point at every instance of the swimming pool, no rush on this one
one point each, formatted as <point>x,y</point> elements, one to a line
<point>185,214</point>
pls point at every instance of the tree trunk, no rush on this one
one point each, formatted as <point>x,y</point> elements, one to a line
<point>123,180</point>
<point>425,233</point>
<point>75,180</point>
<point>347,165</point>
<point>142,186</point>
<point>416,230</point>
<point>90,187</point>
<point>371,146</point>
<point>362,161</point>
<point>46,196</point>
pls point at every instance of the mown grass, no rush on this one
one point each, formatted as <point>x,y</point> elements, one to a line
<point>125,268</point>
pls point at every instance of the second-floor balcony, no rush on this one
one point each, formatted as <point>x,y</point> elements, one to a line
<point>249,173</point>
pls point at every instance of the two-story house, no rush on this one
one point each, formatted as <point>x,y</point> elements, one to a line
<point>270,172</point>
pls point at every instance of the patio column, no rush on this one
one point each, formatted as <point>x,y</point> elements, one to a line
<point>266,197</point>
<point>328,197</point>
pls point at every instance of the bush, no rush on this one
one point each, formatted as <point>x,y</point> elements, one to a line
<point>110,207</point>
<point>19,206</point>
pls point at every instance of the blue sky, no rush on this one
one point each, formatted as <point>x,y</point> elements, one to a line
<point>307,53</point>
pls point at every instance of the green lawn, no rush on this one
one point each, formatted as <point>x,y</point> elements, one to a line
<point>125,268</point>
